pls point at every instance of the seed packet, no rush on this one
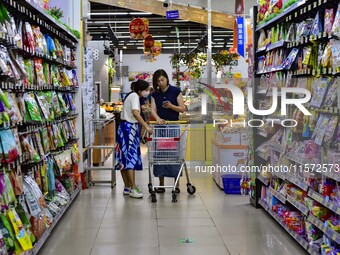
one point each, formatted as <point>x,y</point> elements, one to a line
<point>27,147</point>
<point>326,56</point>
<point>13,111</point>
<point>39,144</point>
<point>319,92</point>
<point>29,41</point>
<point>57,136</point>
<point>335,60</point>
<point>3,249</point>
<point>44,107</point>
<point>9,146</point>
<point>321,130</point>
<point>32,107</point>
<point>17,140</point>
<point>11,196</point>
<point>39,72</point>
<point>39,40</point>
<point>75,154</point>
<point>63,134</point>
<point>329,134</point>
<point>19,230</point>
<point>45,140</point>
<point>8,239</point>
<point>331,96</point>
<point>17,181</point>
<point>52,144</point>
<point>51,49</point>
<point>65,81</point>
<point>55,76</point>
<point>329,20</point>
<point>72,128</point>
<point>55,103</point>
<point>287,63</point>
<point>21,104</point>
<point>47,74</point>
<point>336,24</point>
<point>44,181</point>
<point>65,129</point>
<point>62,104</point>
<point>48,98</point>
<point>36,157</point>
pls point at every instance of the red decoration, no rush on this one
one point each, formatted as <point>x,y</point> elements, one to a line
<point>148,42</point>
<point>138,28</point>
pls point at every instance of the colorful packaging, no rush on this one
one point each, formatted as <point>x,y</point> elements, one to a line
<point>336,24</point>
<point>331,96</point>
<point>329,20</point>
<point>330,130</point>
<point>8,145</point>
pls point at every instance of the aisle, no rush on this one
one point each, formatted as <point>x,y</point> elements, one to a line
<point>103,222</point>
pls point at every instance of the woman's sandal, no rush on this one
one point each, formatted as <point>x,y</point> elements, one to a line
<point>160,190</point>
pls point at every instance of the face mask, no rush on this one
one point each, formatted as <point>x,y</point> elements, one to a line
<point>145,93</point>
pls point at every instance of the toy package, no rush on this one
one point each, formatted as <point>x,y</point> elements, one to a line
<point>320,89</point>
<point>288,62</point>
<point>336,24</point>
<point>330,130</point>
<point>331,96</point>
<point>32,107</point>
<point>8,145</point>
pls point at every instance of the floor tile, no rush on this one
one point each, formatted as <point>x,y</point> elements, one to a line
<point>118,249</point>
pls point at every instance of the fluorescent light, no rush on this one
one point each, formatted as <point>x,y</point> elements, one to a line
<point>219,39</point>
<point>160,26</point>
<point>224,36</point>
<point>123,36</point>
<point>181,20</point>
<point>124,47</point>
<point>176,47</point>
<point>187,32</point>
<point>140,48</point>
<point>160,36</point>
<point>218,46</point>
<point>111,21</point>
<point>140,13</point>
<point>223,31</point>
<point>107,13</point>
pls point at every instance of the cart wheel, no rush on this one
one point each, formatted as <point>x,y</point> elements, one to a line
<point>191,189</point>
<point>153,198</point>
<point>174,197</point>
<point>150,188</point>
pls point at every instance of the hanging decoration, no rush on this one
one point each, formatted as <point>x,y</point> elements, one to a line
<point>148,43</point>
<point>138,28</point>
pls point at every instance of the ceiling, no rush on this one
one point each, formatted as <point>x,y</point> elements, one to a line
<point>190,33</point>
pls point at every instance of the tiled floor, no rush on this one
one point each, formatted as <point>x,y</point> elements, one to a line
<point>103,221</point>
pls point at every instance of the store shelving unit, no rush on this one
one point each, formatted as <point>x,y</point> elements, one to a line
<point>37,16</point>
<point>296,177</point>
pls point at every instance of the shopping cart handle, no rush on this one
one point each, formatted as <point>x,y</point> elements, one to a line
<point>170,122</point>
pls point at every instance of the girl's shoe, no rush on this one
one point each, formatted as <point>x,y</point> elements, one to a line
<point>126,191</point>
<point>136,193</point>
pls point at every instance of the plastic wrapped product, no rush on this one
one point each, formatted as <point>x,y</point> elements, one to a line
<point>39,72</point>
<point>330,130</point>
<point>326,56</point>
<point>336,24</point>
<point>288,62</point>
<point>32,107</point>
<point>8,145</point>
<point>319,92</point>
<point>329,20</point>
<point>331,96</point>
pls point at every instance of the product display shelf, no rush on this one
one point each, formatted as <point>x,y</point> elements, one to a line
<point>276,147</point>
<point>324,228</point>
<point>35,15</point>
<point>278,195</point>
<point>283,16</point>
<point>296,13</point>
<point>302,185</point>
<point>56,219</point>
<point>325,201</point>
<point>280,175</point>
<point>263,180</point>
<point>264,205</point>
<point>301,207</point>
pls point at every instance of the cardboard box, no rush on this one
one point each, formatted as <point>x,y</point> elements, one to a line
<point>227,138</point>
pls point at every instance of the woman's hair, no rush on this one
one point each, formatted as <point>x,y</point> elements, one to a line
<point>139,85</point>
<point>156,75</point>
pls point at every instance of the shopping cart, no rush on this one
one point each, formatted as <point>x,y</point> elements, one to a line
<point>167,147</point>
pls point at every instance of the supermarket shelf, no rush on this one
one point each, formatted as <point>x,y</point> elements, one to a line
<point>277,218</point>
<point>311,251</point>
<point>264,205</point>
<point>323,227</point>
<point>56,219</point>
<point>280,175</point>
<point>293,234</point>
<point>276,45</point>
<point>324,201</point>
<point>333,175</point>
<point>276,147</point>
<point>297,237</point>
<point>300,184</point>
<point>276,194</point>
<point>302,208</point>
<point>263,180</point>
<point>281,16</point>
<point>270,70</point>
<point>296,159</point>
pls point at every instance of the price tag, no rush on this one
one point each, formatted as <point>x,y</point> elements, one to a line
<point>295,14</point>
<point>314,5</point>
<point>309,7</point>
<point>319,2</point>
<point>305,10</point>
<point>324,70</point>
<point>326,199</point>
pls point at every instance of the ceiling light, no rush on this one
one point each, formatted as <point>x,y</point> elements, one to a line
<point>107,13</point>
<point>111,21</point>
<point>219,39</point>
<point>140,13</point>
<point>124,47</point>
<point>124,36</point>
<point>160,26</point>
<point>181,20</point>
<point>176,47</point>
<point>160,36</point>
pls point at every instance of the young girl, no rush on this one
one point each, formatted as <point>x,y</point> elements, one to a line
<point>128,155</point>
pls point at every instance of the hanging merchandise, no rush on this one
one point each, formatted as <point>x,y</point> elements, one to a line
<point>9,147</point>
<point>138,28</point>
<point>336,24</point>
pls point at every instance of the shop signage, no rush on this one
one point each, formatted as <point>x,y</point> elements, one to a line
<point>240,28</point>
<point>174,14</point>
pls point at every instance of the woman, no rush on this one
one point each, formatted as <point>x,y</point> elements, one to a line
<point>128,154</point>
<point>166,104</point>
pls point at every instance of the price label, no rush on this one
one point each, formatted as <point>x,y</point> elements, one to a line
<point>295,14</point>
<point>324,70</point>
<point>330,70</point>
<point>320,2</point>
<point>309,7</point>
<point>314,5</point>
<point>305,10</point>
